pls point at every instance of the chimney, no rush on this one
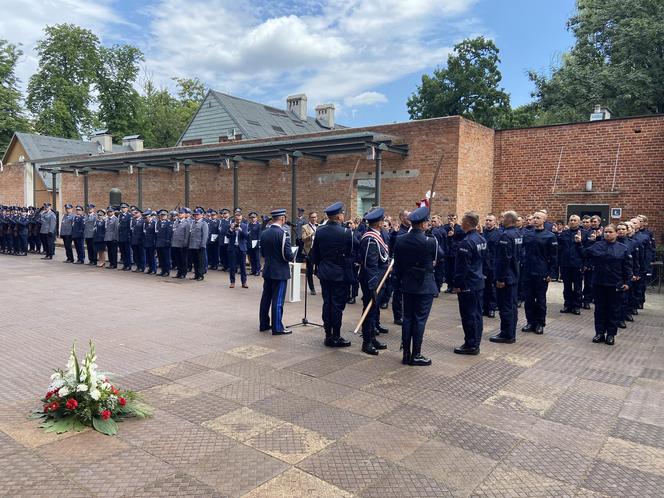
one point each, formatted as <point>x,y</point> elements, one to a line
<point>600,113</point>
<point>297,104</point>
<point>325,115</point>
<point>104,139</point>
<point>134,142</point>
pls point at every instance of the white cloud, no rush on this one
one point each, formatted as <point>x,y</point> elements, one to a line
<point>366,98</point>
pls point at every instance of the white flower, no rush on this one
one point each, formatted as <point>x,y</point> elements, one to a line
<point>63,391</point>
<point>105,386</point>
<point>94,394</point>
<point>82,388</point>
<point>57,383</point>
<point>56,375</point>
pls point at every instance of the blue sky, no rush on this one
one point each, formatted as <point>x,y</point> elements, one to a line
<point>365,56</point>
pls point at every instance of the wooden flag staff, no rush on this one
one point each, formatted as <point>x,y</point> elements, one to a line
<point>372,303</point>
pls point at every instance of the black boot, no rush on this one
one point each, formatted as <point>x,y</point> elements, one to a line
<point>381,330</point>
<point>622,325</point>
<point>339,342</point>
<point>329,340</point>
<point>610,340</point>
<point>529,327</point>
<point>598,338</point>
<point>368,348</point>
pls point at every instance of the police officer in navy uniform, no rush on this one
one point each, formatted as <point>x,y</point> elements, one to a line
<point>213,239</point>
<point>571,266</point>
<point>331,253</point>
<point>88,234</point>
<point>163,233</point>
<point>374,255</point>
<point>22,223</point>
<point>276,248</point>
<point>415,256</point>
<point>78,235</point>
<point>454,234</point>
<point>66,226</point>
<point>397,298</point>
<point>111,237</point>
<point>124,236</point>
<point>254,229</point>
<point>540,248</point>
<point>238,233</point>
<point>469,283</point>
<point>224,225</point>
<point>507,263</point>
<point>180,242</point>
<point>491,234</point>
<point>198,237</point>
<point>150,241</point>
<point>137,237</point>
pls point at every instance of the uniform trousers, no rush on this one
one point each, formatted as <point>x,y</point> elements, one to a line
<point>371,320</point>
<point>416,308</point>
<point>397,299</point>
<point>521,292</point>
<point>164,254</point>
<point>255,259</point>
<point>23,243</point>
<point>67,242</point>
<point>125,253</point>
<point>335,295</point>
<point>79,245</point>
<point>607,301</point>
<point>272,304</point>
<point>48,241</point>
<point>112,248</point>
<point>439,273</point>
<point>449,270</point>
<point>588,286</point>
<point>90,246</point>
<point>180,260</point>
<point>470,309</point>
<point>237,258</point>
<point>139,256</point>
<point>310,274</point>
<point>223,255</point>
<point>213,253</point>
<point>572,287</point>
<point>489,292</point>
<point>197,257</point>
<point>639,290</point>
<point>150,259</point>
<point>535,305</point>
<point>507,308</point>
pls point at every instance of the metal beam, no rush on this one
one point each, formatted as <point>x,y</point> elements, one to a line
<point>301,153</point>
<point>293,196</point>
<point>139,184</point>
<point>391,148</point>
<point>379,172</point>
<point>85,191</point>
<point>242,159</point>
<point>54,197</point>
<point>186,184</point>
<point>236,185</point>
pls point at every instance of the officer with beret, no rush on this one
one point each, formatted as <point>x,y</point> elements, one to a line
<point>331,253</point>
<point>374,256</point>
<point>254,229</point>
<point>469,283</point>
<point>111,237</point>
<point>415,256</point>
<point>507,262</point>
<point>163,233</point>
<point>276,246</point>
<point>124,236</point>
<point>88,234</point>
<point>198,236</point>
<point>137,238</point>
<point>66,226</point>
<point>78,235</point>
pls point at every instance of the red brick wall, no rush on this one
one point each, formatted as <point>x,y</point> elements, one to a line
<point>475,169</point>
<point>526,162</point>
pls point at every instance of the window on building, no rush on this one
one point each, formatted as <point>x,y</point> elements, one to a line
<point>223,138</point>
<point>193,141</point>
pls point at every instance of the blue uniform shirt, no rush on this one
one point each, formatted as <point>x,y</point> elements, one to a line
<point>612,264</point>
<point>468,267</point>
<point>569,251</point>
<point>508,256</point>
<point>540,249</point>
<point>276,248</point>
<point>415,256</point>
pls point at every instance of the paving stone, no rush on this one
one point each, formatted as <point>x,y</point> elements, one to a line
<point>347,467</point>
<point>285,405</point>
<point>388,387</point>
<point>167,394</point>
<point>331,421</point>
<point>175,371</point>
<point>353,377</point>
<point>366,404</point>
<point>243,424</point>
<point>140,381</point>
<point>550,461</point>
<point>207,381</point>
<point>477,438</point>
<point>404,483</point>
<point>8,445</point>
<point>246,392</point>
<point>56,487</point>
<point>289,442</point>
<point>506,481</point>
<point>588,411</point>
<point>249,352</point>
<point>420,420</point>
<point>320,390</point>
<point>297,484</point>
<point>565,437</point>
<point>616,480</point>
<point>521,403</point>
<point>640,412</point>
<point>216,360</point>
<point>633,455</point>
<point>449,464</point>
<point>638,432</point>
<point>179,484</point>
<point>502,418</point>
<point>385,440</point>
<point>597,387</point>
<point>326,364</point>
<point>200,408</point>
<point>161,425</point>
<point>22,469</point>
<point>187,446</point>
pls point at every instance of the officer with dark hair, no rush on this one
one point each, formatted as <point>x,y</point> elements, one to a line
<point>331,253</point>
<point>66,226</point>
<point>469,283</point>
<point>22,223</point>
<point>491,234</point>
<point>124,236</point>
<point>593,233</point>
<point>47,231</point>
<point>180,242</point>
<point>163,233</point>
<point>150,240</point>
<point>137,239</point>
<point>111,237</point>
<point>254,230</point>
<point>454,234</point>
<point>213,239</point>
<point>238,233</point>
<point>198,236</point>
<point>571,266</point>
<point>397,298</point>
<point>78,235</point>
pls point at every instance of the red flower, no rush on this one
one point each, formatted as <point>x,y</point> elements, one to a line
<point>106,414</point>
<point>46,407</point>
<point>54,406</point>
<point>72,404</point>
<point>122,401</point>
<point>48,395</point>
<point>114,390</point>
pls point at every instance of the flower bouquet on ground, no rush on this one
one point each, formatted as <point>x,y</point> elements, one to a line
<point>81,397</point>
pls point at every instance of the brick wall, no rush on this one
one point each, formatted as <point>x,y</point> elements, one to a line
<point>475,168</point>
<point>526,161</point>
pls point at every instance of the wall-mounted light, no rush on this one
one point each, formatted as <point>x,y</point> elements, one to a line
<point>176,168</point>
<point>589,185</point>
<point>131,169</point>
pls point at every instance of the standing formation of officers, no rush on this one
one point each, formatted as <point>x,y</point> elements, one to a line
<point>26,230</point>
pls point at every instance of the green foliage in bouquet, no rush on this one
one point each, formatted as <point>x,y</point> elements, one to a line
<point>81,397</point>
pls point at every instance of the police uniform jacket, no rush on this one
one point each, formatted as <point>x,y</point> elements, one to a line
<point>508,256</point>
<point>112,229</point>
<point>124,231</point>
<point>22,225</point>
<point>213,226</point>
<point>469,261</point>
<point>254,231</point>
<point>540,253</point>
<point>276,248</point>
<point>373,257</point>
<point>646,246</point>
<point>137,234</point>
<point>331,252</point>
<point>163,233</point>
<point>78,228</point>
<point>149,231</point>
<point>238,236</point>
<point>569,252</point>
<point>100,231</point>
<point>492,237</point>
<point>612,264</point>
<point>415,256</point>
<point>635,251</point>
<point>48,222</point>
<point>403,229</point>
<point>90,222</point>
<point>224,225</point>
<point>198,234</point>
<point>67,224</point>
<point>180,236</point>
<point>453,240</point>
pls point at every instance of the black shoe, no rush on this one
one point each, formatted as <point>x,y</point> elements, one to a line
<point>629,318</point>
<point>351,300</point>
<point>576,311</point>
<point>449,290</point>
<point>381,330</point>
<point>182,277</point>
<point>176,276</point>
<point>598,338</point>
<point>436,295</point>
<point>501,339</point>
<point>634,311</point>
<point>539,330</point>
<point>467,350</point>
<point>640,306</point>
<point>369,349</point>
<point>340,342</point>
<point>491,314</point>
<point>167,274</point>
<point>621,325</point>
<point>383,306</point>
<point>45,257</point>
<point>214,268</point>
<point>519,304</point>
<point>264,329</point>
<point>329,342</point>
<point>586,306</point>
<point>79,262</point>
<point>567,310</point>
<point>282,332</point>
<point>406,358</point>
<point>398,321</point>
<point>610,340</point>
<point>421,361</point>
<point>150,272</point>
<point>377,344</point>
<point>127,268</point>
<point>312,292</point>
<point>529,327</point>
<point>198,279</point>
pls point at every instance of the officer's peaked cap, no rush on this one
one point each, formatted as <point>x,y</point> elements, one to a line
<point>333,209</point>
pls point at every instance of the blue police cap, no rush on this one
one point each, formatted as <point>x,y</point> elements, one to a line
<point>419,215</point>
<point>162,211</point>
<point>277,212</point>
<point>224,210</point>
<point>199,211</point>
<point>111,209</point>
<point>238,211</point>
<point>68,206</point>
<point>212,211</point>
<point>253,213</point>
<point>79,208</point>
<point>101,211</point>
<point>185,210</point>
<point>174,213</point>
<point>92,206</point>
<point>148,212</point>
<point>333,209</point>
<point>375,215</point>
<point>122,205</point>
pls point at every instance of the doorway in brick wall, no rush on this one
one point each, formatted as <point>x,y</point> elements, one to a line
<point>601,210</point>
<point>366,196</point>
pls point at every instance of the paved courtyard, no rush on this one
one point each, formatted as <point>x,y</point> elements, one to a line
<point>243,413</point>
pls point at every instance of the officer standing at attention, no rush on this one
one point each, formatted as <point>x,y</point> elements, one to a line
<point>331,253</point>
<point>98,238</point>
<point>468,283</point>
<point>66,227</point>
<point>540,256</point>
<point>491,234</point>
<point>253,246</point>
<point>224,225</point>
<point>594,233</point>
<point>89,232</point>
<point>137,238</point>
<point>374,256</point>
<point>47,231</point>
<point>454,235</point>
<point>276,248</point>
<point>150,241</point>
<point>124,236</point>
<point>507,262</point>
<point>308,231</point>
<point>415,256</point>
<point>78,235</point>
<point>22,223</point>
<point>397,299</point>
<point>163,233</point>
<point>198,236</point>
<point>571,266</point>
<point>111,237</point>
<point>180,242</point>
<point>238,233</point>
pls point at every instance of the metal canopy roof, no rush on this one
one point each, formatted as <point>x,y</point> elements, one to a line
<point>318,147</point>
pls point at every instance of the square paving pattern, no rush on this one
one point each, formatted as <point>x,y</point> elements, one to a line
<point>244,413</point>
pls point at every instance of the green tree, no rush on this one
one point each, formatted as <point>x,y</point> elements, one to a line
<point>12,117</point>
<point>468,86</point>
<point>617,61</point>
<point>118,100</point>
<point>60,93</point>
